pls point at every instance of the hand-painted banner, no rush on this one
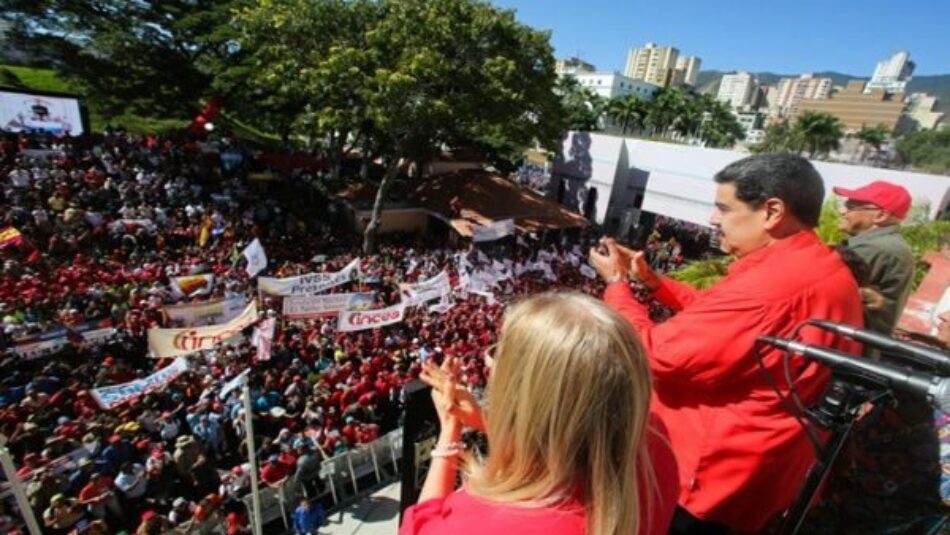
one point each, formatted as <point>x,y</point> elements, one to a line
<point>297,307</point>
<point>493,231</point>
<point>192,285</point>
<point>427,290</point>
<point>263,338</point>
<point>166,343</point>
<point>358,320</point>
<point>207,313</point>
<point>309,284</point>
<point>110,397</point>
<point>256,258</point>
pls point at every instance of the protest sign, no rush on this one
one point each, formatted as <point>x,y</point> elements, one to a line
<point>309,284</point>
<point>297,307</point>
<point>165,343</point>
<point>110,397</point>
<point>358,320</point>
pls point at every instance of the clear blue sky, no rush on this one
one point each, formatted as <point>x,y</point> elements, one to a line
<point>848,36</point>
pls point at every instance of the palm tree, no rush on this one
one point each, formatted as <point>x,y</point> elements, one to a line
<point>872,137</point>
<point>668,104</point>
<point>820,133</point>
<point>690,117</point>
<point>720,128</point>
<point>628,111</point>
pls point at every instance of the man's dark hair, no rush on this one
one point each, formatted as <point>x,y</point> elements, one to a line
<point>784,176</point>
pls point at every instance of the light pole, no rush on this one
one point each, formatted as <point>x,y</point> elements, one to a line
<point>252,459</point>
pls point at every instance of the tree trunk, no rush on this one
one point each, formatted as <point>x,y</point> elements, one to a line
<point>369,235</point>
<point>364,167</point>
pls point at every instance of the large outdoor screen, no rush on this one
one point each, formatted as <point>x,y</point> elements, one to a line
<point>34,113</point>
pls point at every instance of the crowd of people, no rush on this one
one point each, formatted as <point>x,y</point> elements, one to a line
<point>102,226</point>
<point>96,230</point>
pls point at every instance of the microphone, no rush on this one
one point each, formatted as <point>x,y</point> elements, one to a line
<point>934,388</point>
<point>922,355</point>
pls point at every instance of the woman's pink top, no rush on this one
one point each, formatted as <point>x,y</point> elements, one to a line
<point>460,513</point>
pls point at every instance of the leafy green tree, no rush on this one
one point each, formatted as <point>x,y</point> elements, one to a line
<point>583,108</point>
<point>818,133</point>
<point>927,151</point>
<point>150,57</point>
<point>403,78</point>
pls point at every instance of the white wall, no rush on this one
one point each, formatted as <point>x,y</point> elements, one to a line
<point>680,178</point>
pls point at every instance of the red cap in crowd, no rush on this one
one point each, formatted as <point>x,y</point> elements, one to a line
<point>885,195</point>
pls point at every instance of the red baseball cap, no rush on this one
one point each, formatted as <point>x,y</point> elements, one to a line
<point>885,195</point>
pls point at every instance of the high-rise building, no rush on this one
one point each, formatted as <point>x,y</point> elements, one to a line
<point>573,66</point>
<point>738,90</point>
<point>892,74</point>
<point>790,91</point>
<point>689,67</point>
<point>651,63</point>
<point>856,108</point>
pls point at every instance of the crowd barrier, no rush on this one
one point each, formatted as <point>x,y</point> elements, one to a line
<point>378,459</point>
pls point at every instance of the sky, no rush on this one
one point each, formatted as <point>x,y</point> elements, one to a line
<point>847,36</point>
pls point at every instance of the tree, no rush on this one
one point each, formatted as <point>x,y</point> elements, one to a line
<point>779,137</point>
<point>819,133</point>
<point>149,57</point>
<point>668,104</point>
<point>627,111</point>
<point>465,69</point>
<point>927,151</point>
<point>314,57</point>
<point>719,128</point>
<point>872,137</point>
<point>583,108</point>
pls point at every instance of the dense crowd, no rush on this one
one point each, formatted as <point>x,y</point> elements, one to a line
<point>102,225</point>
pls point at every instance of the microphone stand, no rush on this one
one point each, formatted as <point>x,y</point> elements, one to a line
<point>837,412</point>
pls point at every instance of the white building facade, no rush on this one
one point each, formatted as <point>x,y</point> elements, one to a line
<point>613,84</point>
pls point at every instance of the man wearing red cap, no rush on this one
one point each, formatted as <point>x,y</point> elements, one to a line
<point>871,215</point>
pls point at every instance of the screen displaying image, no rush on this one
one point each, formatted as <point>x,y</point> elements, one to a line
<point>23,112</point>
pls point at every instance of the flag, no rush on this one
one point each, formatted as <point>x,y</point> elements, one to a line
<point>191,285</point>
<point>10,236</point>
<point>263,338</point>
<point>256,258</point>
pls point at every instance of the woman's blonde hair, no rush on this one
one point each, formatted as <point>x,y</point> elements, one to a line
<point>568,400</point>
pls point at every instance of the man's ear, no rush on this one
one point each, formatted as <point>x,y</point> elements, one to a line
<point>775,212</point>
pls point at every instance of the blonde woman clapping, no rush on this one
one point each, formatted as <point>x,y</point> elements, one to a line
<point>572,447</point>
